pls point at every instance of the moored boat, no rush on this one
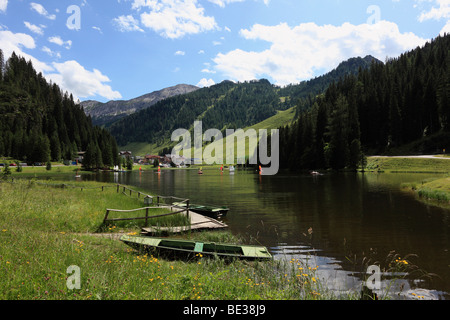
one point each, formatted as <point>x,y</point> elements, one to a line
<point>206,210</point>
<point>192,248</point>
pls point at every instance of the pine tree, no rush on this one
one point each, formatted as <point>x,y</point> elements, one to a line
<point>2,65</point>
<point>55,147</point>
<point>89,156</point>
<point>338,132</point>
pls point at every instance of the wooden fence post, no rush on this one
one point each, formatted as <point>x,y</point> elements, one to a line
<point>106,216</point>
<point>146,217</point>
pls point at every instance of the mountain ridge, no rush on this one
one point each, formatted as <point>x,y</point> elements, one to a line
<point>111,111</point>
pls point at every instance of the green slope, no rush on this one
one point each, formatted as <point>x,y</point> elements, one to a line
<point>282,118</point>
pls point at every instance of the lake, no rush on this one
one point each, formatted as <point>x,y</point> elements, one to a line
<point>339,222</point>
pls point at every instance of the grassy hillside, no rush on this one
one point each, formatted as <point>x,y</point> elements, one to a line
<point>280,119</point>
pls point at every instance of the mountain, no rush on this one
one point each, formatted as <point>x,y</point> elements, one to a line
<point>106,113</point>
<point>320,83</point>
<point>224,105</point>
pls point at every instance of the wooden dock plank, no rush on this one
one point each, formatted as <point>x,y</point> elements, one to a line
<point>198,222</point>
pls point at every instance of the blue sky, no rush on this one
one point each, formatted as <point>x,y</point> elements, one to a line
<point>121,49</point>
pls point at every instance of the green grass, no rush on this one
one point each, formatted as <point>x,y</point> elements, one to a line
<point>438,189</point>
<point>46,229</point>
<point>281,119</point>
<point>413,165</point>
<point>41,170</point>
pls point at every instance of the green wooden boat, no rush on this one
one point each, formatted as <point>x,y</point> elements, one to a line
<point>206,210</point>
<point>176,247</point>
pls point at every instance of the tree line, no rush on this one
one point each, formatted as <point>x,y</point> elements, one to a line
<point>41,123</point>
<point>401,105</point>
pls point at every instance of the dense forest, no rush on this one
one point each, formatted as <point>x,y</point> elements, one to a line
<point>40,123</point>
<point>225,105</point>
<point>402,105</point>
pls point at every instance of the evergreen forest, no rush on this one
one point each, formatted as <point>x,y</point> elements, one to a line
<point>401,106</point>
<point>40,123</point>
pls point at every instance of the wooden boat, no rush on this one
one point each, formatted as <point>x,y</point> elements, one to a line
<point>206,210</point>
<point>192,248</point>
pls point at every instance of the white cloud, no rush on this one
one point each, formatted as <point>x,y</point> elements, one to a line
<point>206,70</point>
<point>50,52</point>
<point>82,83</point>
<point>98,29</point>
<point>174,18</point>
<point>70,75</point>
<point>442,11</point>
<point>205,83</point>
<point>180,53</point>
<point>60,42</point>
<point>445,29</point>
<point>127,24</point>
<point>3,5</point>
<point>222,3</point>
<point>299,53</point>
<point>34,28</point>
<point>42,11</point>
<point>17,42</point>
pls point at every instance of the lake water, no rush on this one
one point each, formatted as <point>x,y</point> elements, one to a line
<point>336,221</point>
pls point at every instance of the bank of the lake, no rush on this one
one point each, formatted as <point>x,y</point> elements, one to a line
<point>408,164</point>
<point>46,227</point>
<point>436,189</point>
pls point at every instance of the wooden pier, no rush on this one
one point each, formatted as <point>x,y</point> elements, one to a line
<point>198,222</point>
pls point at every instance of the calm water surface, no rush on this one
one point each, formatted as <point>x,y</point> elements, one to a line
<point>350,217</point>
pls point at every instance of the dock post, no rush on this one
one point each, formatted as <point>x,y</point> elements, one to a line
<point>187,208</point>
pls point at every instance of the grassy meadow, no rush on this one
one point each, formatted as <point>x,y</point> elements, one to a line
<point>45,228</point>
